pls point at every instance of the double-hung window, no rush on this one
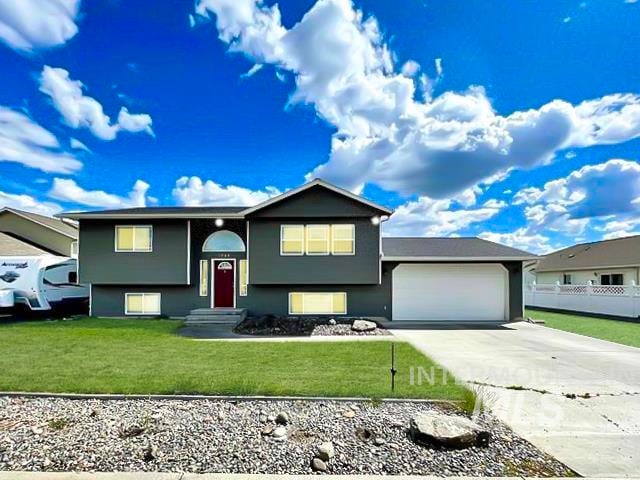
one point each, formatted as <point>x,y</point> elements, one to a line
<point>318,239</point>
<point>292,240</point>
<point>343,239</point>
<point>134,238</point>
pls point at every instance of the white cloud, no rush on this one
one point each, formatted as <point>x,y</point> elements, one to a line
<point>429,217</point>
<point>410,68</point>
<point>618,229</point>
<point>438,63</point>
<point>436,147</point>
<point>81,111</point>
<point>193,191</point>
<point>28,203</point>
<point>522,239</point>
<point>252,71</point>
<point>24,141</point>
<point>68,190</point>
<point>28,25</point>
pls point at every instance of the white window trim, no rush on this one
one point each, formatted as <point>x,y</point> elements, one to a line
<point>205,277</point>
<point>126,298</point>
<point>246,285</point>
<point>282,227</point>
<point>333,312</point>
<point>306,240</point>
<point>134,250</point>
<point>333,252</point>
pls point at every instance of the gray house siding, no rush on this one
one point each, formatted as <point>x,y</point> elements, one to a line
<point>101,264</point>
<point>316,202</point>
<point>268,267</point>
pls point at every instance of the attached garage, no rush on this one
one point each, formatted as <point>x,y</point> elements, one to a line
<point>450,292</point>
<point>453,279</point>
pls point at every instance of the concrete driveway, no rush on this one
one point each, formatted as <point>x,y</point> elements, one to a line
<point>534,373</point>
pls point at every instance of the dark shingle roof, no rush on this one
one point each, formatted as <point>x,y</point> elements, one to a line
<point>14,247</point>
<point>607,253</point>
<point>158,212</point>
<point>50,222</point>
<point>468,247</point>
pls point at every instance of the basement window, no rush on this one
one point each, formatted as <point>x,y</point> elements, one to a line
<point>142,304</point>
<point>317,303</point>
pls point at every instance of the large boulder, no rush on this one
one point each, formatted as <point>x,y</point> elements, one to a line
<point>447,430</point>
<point>363,326</point>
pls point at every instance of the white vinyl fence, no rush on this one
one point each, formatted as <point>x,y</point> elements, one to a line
<point>620,300</point>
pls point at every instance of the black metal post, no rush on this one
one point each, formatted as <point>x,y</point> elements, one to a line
<point>393,366</point>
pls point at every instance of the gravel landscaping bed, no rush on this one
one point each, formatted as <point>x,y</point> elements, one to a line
<point>345,330</point>
<point>47,434</point>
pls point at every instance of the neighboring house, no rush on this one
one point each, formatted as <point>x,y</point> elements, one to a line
<point>25,233</point>
<point>608,262</point>
<point>315,250</point>
<point>37,272</point>
<point>598,278</point>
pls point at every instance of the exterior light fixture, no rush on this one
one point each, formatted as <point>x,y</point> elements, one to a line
<point>375,220</point>
<point>219,222</point>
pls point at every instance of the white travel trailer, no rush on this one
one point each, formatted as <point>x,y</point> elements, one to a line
<point>40,283</point>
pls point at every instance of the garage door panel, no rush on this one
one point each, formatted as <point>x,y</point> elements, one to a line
<point>443,292</point>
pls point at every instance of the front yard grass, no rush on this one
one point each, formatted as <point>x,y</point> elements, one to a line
<point>626,333</point>
<point>138,356</point>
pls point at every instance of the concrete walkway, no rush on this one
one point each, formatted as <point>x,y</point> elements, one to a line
<point>575,397</point>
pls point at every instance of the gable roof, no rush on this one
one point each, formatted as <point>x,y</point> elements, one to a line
<point>322,183</point>
<point>454,248</point>
<point>618,252</point>
<point>11,246</point>
<point>51,223</point>
<point>161,212</point>
<point>214,211</point>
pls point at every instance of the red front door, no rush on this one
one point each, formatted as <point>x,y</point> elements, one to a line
<point>223,283</point>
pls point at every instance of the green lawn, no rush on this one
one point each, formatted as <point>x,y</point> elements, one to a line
<point>627,333</point>
<point>130,356</point>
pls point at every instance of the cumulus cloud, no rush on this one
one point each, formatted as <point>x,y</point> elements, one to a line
<point>410,68</point>
<point>28,203</point>
<point>24,141</point>
<point>522,239</point>
<point>619,229</point>
<point>68,190</point>
<point>28,25</point>
<point>430,217</point>
<point>81,111</point>
<point>193,191</point>
<point>592,191</point>
<point>435,147</point>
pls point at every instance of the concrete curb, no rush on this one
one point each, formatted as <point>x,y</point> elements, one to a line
<point>313,339</point>
<point>228,398</point>
<point>227,476</point>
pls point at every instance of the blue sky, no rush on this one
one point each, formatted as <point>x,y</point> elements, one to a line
<point>517,121</point>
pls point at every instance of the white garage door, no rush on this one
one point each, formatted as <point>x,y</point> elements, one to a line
<point>449,292</point>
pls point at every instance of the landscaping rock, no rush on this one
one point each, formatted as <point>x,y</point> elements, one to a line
<point>332,321</point>
<point>279,432</point>
<point>348,414</point>
<point>282,418</point>
<point>325,451</point>
<point>446,430</point>
<point>151,453</point>
<point>379,441</point>
<point>364,434</point>
<point>363,326</point>
<point>318,465</point>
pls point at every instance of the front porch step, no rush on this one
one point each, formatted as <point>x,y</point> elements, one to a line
<point>216,316</point>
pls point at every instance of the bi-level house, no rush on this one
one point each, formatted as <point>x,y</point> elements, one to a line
<point>315,250</point>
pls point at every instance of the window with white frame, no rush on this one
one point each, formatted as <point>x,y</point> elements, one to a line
<point>74,250</point>
<point>292,240</point>
<point>243,278</point>
<point>142,304</point>
<point>134,238</point>
<point>317,303</point>
<point>343,239</point>
<point>567,279</point>
<point>318,239</point>
<point>204,278</point>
